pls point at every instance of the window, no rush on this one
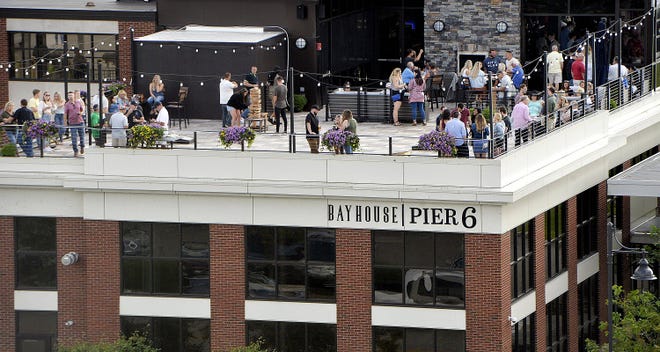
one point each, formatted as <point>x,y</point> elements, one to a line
<point>557,321</point>
<point>388,339</point>
<point>416,268</point>
<point>523,334</point>
<point>290,263</point>
<point>36,253</point>
<point>165,259</point>
<point>36,331</point>
<point>643,156</point>
<point>588,310</point>
<point>522,259</point>
<point>587,224</point>
<point>293,337</point>
<point>555,237</point>
<point>42,56</point>
<point>171,334</point>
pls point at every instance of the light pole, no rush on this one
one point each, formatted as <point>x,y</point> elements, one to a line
<point>642,273</point>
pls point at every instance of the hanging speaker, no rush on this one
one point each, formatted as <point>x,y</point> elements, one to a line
<point>301,12</point>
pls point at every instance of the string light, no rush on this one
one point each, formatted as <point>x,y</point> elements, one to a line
<point>160,46</point>
<point>196,50</point>
<point>215,51</point>
<point>201,84</point>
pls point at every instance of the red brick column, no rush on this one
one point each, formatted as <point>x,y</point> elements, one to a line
<point>4,58</point>
<point>602,254</point>
<point>571,263</point>
<point>141,28</point>
<point>71,282</point>
<point>101,260</point>
<point>540,262</point>
<point>353,258</point>
<point>7,315</point>
<point>623,261</point>
<point>227,286</point>
<point>488,292</point>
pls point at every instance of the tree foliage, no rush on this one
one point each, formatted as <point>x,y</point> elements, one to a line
<point>256,346</point>
<point>133,343</point>
<point>635,322</point>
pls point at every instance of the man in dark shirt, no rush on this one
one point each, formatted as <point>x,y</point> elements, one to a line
<point>251,79</point>
<point>22,116</point>
<point>492,61</point>
<point>134,114</point>
<point>312,127</point>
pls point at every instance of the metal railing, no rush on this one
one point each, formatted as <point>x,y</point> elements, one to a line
<point>609,96</point>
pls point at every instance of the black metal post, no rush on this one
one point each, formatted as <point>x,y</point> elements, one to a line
<point>390,144</point>
<point>65,65</point>
<point>293,142</point>
<point>133,62</point>
<point>89,105</point>
<point>586,63</point>
<point>545,93</point>
<point>390,106</point>
<point>359,105</point>
<point>291,104</point>
<point>491,107</point>
<point>610,273</point>
<point>327,106</point>
<point>195,140</point>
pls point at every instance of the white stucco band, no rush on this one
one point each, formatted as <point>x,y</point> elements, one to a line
<point>61,26</point>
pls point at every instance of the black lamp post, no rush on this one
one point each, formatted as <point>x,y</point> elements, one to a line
<point>642,273</point>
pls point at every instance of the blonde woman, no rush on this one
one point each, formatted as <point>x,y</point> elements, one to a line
<point>46,107</point>
<point>397,88</point>
<point>156,91</point>
<point>348,123</point>
<point>480,134</point>
<point>498,133</point>
<point>58,109</point>
<point>122,100</point>
<point>467,68</point>
<point>477,76</point>
<point>7,117</point>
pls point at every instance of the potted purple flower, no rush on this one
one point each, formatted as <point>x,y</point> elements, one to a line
<point>441,142</point>
<point>237,135</point>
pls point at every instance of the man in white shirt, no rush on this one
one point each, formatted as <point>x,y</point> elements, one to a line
<point>555,65</point>
<point>505,89</point>
<point>118,123</point>
<point>226,91</point>
<point>510,60</point>
<point>95,101</point>
<point>613,71</point>
<point>163,117</point>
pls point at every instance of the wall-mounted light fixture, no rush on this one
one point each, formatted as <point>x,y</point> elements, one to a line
<point>69,258</point>
<point>501,27</point>
<point>438,26</point>
<point>301,43</point>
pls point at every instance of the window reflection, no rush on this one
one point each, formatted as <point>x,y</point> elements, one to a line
<point>296,337</point>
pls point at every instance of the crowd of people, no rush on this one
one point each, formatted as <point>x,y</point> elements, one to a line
<point>70,117</point>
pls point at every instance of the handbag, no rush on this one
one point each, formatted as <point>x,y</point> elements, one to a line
<point>396,97</point>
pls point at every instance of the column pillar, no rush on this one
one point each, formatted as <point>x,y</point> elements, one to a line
<point>71,282</point>
<point>227,286</point>
<point>488,292</point>
<point>540,263</point>
<point>354,287</point>
<point>7,282</point>
<point>571,264</point>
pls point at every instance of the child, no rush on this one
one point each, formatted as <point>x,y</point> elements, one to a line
<point>95,120</point>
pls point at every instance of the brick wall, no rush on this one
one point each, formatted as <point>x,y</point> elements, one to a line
<point>227,286</point>
<point>540,262</point>
<point>353,270</point>
<point>4,58</point>
<point>571,261</point>
<point>470,27</point>
<point>101,260</point>
<point>125,50</point>
<point>71,282</point>
<point>602,253</point>
<point>88,291</point>
<point>487,292</point>
<point>7,315</point>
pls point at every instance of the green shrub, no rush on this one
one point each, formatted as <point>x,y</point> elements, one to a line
<point>257,346</point>
<point>299,102</point>
<point>134,343</point>
<point>8,150</point>
<point>613,104</point>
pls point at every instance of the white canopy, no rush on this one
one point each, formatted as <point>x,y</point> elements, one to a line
<point>208,34</point>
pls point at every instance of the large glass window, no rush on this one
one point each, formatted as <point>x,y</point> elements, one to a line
<point>44,56</point>
<point>555,237</point>
<point>165,259</point>
<point>36,331</point>
<point>388,339</point>
<point>171,334</point>
<point>587,224</point>
<point>523,334</point>
<point>293,337</point>
<point>290,263</point>
<point>36,253</point>
<point>588,310</point>
<point>557,321</point>
<point>522,259</point>
<point>415,268</point>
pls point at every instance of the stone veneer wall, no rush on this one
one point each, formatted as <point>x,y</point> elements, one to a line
<point>469,28</point>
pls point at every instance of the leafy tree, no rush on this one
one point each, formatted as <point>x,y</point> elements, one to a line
<point>134,343</point>
<point>635,321</point>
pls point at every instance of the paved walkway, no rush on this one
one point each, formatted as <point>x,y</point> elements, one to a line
<point>374,137</point>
